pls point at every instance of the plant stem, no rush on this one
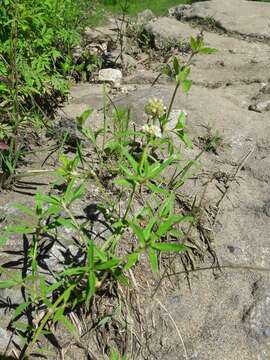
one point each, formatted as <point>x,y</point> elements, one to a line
<point>172,100</point>
<point>46,318</point>
<point>130,200</point>
<point>104,117</point>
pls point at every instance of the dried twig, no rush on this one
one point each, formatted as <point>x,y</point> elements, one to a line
<point>229,182</point>
<point>176,327</point>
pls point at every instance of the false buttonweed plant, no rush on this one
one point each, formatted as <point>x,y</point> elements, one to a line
<point>137,173</point>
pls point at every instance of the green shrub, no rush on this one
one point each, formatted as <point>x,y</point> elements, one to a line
<point>36,42</point>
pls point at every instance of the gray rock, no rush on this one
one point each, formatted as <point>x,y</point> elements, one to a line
<point>257,317</point>
<point>66,120</point>
<point>265,88</point>
<point>112,76</point>
<point>260,106</point>
<point>98,35</point>
<point>77,52</point>
<point>9,210</point>
<point>145,16</point>
<point>179,11</point>
<point>114,57</point>
<point>247,18</point>
<point>168,30</point>
<point>5,337</point>
<point>266,208</point>
<point>142,77</point>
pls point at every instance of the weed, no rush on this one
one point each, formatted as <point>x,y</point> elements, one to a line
<point>37,39</point>
<point>212,140</point>
<point>138,209</point>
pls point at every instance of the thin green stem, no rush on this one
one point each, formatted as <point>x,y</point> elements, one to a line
<point>130,200</point>
<point>45,319</point>
<point>104,117</point>
<point>172,100</point>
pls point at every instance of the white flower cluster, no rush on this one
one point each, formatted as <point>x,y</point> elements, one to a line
<point>155,108</point>
<point>152,130</point>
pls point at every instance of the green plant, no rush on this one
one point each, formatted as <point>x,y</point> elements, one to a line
<point>138,206</point>
<point>37,40</point>
<point>9,158</point>
<point>115,355</point>
<point>212,140</point>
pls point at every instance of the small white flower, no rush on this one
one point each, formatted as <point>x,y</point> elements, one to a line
<point>155,108</point>
<point>153,130</point>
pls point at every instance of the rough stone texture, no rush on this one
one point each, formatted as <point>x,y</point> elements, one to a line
<point>145,16</point>
<point>112,76</point>
<point>142,77</point>
<point>257,317</point>
<point>168,29</point>
<point>248,18</point>
<point>261,106</point>
<point>235,61</point>
<point>114,58</point>
<point>99,35</point>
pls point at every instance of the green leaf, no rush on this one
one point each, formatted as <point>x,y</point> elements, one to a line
<point>91,287</point>
<point>6,284</point>
<point>74,271</point>
<point>193,44</point>
<point>157,168</point>
<point>184,73</point>
<point>157,189</point>
<point>48,199</point>
<point>131,260</point>
<point>125,170</point>
<point>186,85</point>
<point>207,50</point>
<point>108,264</point>
<point>70,327</point>
<point>168,71</point>
<point>50,289</point>
<point>181,121</point>
<point>25,210</point>
<point>82,118</point>
<point>139,233</point>
<point>167,208</point>
<point>58,315</point>
<point>3,240</point>
<point>176,233</point>
<point>172,220</point>
<point>78,192</point>
<point>112,145</point>
<point>131,159</point>
<point>52,210</point>
<point>90,255</point>
<point>19,310</point>
<point>21,325</point>
<point>124,182</point>
<point>42,286</point>
<point>149,226</point>
<point>69,190</point>
<point>153,259</point>
<point>17,229</point>
<point>104,321</point>
<point>67,223</point>
<point>176,65</point>
<point>186,139</point>
<point>170,247</point>
<point>114,355</point>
